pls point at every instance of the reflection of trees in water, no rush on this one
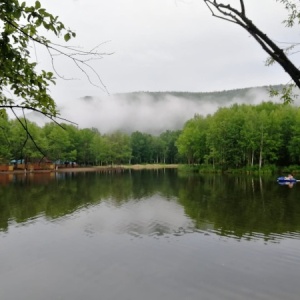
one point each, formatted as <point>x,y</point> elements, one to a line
<point>238,206</point>
<point>23,197</point>
<point>241,206</point>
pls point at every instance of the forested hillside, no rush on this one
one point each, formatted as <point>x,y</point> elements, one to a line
<point>221,97</point>
<point>153,112</point>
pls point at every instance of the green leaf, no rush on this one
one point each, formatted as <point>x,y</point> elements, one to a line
<point>42,11</point>
<point>67,37</point>
<point>38,22</point>
<point>37,4</point>
<point>46,25</point>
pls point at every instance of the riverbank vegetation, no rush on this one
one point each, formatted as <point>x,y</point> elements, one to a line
<point>253,138</point>
<point>67,143</point>
<point>247,138</point>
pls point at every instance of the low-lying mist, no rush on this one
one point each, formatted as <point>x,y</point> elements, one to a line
<point>151,112</point>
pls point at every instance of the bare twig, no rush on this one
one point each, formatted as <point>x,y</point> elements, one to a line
<point>73,56</point>
<point>28,134</point>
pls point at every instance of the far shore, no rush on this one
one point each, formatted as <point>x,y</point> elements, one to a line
<point>114,168</point>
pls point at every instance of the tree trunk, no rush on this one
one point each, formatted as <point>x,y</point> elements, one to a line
<point>261,148</point>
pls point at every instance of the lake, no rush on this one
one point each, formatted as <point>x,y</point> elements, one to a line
<point>145,235</point>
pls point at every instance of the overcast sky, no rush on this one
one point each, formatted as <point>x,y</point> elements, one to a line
<point>167,45</point>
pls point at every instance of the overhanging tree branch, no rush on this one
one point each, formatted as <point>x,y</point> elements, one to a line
<point>62,50</point>
<point>28,134</point>
<point>238,16</point>
<point>19,25</point>
<point>49,116</point>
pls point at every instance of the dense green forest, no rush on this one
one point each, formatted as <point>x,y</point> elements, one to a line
<point>240,136</point>
<point>85,146</point>
<point>243,136</point>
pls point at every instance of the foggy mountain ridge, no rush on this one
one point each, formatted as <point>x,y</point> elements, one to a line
<point>217,96</point>
<point>152,112</point>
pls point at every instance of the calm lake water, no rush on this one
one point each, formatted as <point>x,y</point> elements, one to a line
<point>145,235</point>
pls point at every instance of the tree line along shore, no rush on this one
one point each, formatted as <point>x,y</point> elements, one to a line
<point>249,137</point>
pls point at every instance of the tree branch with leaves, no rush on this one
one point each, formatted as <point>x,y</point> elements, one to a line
<point>22,86</point>
<point>20,25</point>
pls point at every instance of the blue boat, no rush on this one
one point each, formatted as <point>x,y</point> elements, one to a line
<point>286,179</point>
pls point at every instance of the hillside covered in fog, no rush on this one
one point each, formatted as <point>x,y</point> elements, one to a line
<point>152,112</point>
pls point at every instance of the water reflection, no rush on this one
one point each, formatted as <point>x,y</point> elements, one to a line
<point>242,206</point>
<point>150,216</point>
<point>288,184</point>
<point>155,203</point>
<point>148,235</point>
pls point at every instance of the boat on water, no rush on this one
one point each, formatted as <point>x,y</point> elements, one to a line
<point>286,179</point>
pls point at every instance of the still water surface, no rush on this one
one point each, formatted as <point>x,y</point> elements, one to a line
<point>148,235</point>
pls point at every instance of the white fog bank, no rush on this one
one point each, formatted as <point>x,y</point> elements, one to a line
<point>152,112</point>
